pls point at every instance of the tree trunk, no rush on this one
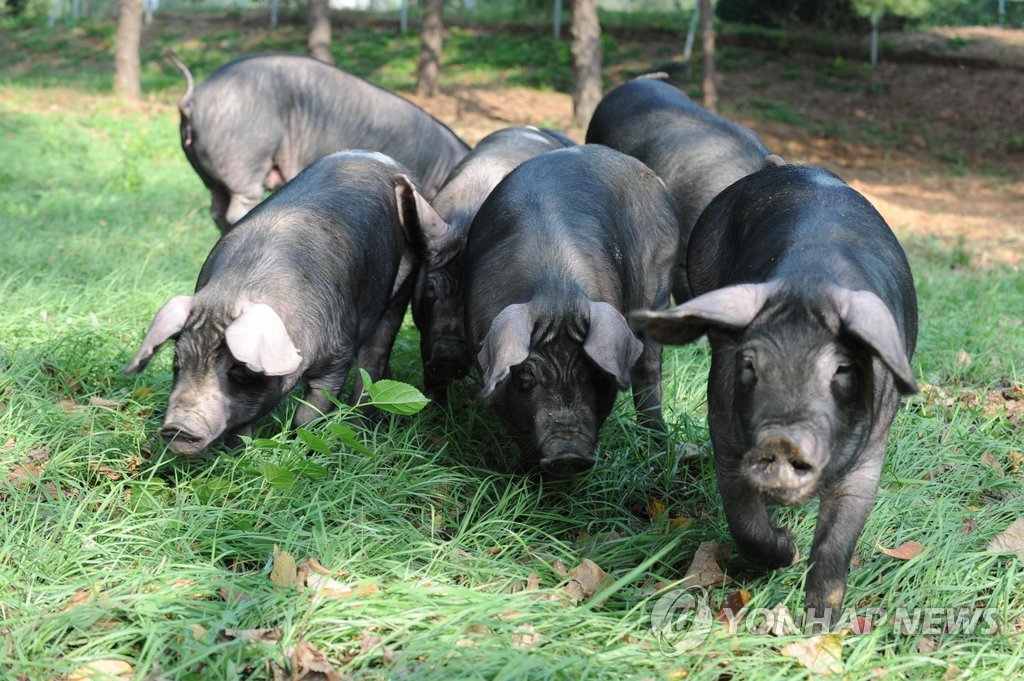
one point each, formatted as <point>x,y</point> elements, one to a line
<point>874,39</point>
<point>586,60</point>
<point>320,31</point>
<point>126,50</point>
<point>430,49</point>
<point>707,40</point>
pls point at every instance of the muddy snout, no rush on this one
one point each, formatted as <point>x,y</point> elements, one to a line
<point>783,467</point>
<point>566,456</point>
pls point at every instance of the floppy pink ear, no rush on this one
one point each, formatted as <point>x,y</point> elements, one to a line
<point>866,317</point>
<point>732,307</point>
<point>259,339</point>
<point>611,344</point>
<point>167,324</point>
<point>506,344</point>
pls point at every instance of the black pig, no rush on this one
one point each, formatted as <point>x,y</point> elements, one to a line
<point>437,305</point>
<point>696,153</point>
<point>809,304</point>
<point>257,121</point>
<point>315,277</point>
<point>562,246</point>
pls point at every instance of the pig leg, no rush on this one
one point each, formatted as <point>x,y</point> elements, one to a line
<point>844,510</point>
<point>317,402</point>
<point>645,377</point>
<point>375,352</point>
<point>219,200</point>
<point>750,524</point>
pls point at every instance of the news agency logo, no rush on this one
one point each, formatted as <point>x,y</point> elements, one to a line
<point>682,619</point>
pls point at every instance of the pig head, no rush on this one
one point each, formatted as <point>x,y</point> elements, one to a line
<point>232,365</point>
<point>552,372</point>
<point>804,385</point>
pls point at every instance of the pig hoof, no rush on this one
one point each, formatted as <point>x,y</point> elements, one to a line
<point>567,464</point>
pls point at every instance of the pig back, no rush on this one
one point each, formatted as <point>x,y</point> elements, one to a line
<point>805,226</point>
<point>288,105</point>
<point>587,220</point>
<point>326,247</point>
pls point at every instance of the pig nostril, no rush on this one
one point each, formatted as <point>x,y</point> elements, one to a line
<point>171,434</point>
<point>801,466</point>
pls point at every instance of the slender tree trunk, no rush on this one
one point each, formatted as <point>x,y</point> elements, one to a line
<point>126,50</point>
<point>320,31</point>
<point>707,40</point>
<point>586,60</point>
<point>431,39</point>
<point>874,39</point>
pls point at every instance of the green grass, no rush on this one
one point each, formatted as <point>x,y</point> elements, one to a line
<point>118,551</point>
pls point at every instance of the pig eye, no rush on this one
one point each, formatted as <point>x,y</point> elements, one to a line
<point>747,372</point>
<point>239,373</point>
<point>525,380</point>
<point>431,289</point>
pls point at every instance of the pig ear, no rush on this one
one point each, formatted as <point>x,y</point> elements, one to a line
<point>167,324</point>
<point>259,340</point>
<point>506,344</point>
<point>732,307</point>
<point>611,344</point>
<point>421,222</point>
<point>866,317</point>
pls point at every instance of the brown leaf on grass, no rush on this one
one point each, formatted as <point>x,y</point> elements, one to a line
<point>584,581</point>
<point>1010,540</point>
<point>968,525</point>
<point>81,597</point>
<point>370,642</point>
<point>532,582</point>
<point>733,604</point>
<point>559,567</point>
<point>989,461</point>
<point>904,551</point>
<point>310,664</point>
<point>22,474</point>
<point>229,595</point>
<point>284,572</point>
<point>69,405</point>
<point>100,402</point>
<point>104,670</point>
<point>656,508</point>
<point>10,445</point>
<point>927,645</point>
<point>526,636</point>
<point>822,654</point>
<point>492,551</point>
<point>257,635</point>
<point>107,472</point>
<point>861,625</point>
<point>704,570</point>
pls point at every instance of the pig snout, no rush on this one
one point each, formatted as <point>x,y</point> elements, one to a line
<point>449,361</point>
<point>784,465</point>
<point>567,451</point>
<point>182,440</point>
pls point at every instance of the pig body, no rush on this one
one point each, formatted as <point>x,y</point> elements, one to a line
<point>562,247</point>
<point>696,153</point>
<point>257,121</point>
<point>313,279</point>
<point>809,304</point>
<point>437,304</point>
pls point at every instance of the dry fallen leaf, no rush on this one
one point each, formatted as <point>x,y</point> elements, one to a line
<point>102,669</point>
<point>310,664</point>
<point>927,645</point>
<point>100,402</point>
<point>904,551</point>
<point>106,471</point>
<point>734,603</point>
<point>1010,540</point>
<point>559,567</point>
<point>822,654</point>
<point>526,636</point>
<point>656,509</point>
<point>284,572</point>
<point>371,642</point>
<point>532,582</point>
<point>704,570</point>
<point>584,581</point>
<point>258,635</point>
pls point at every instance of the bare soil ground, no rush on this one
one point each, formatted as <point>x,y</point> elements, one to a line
<point>938,147</point>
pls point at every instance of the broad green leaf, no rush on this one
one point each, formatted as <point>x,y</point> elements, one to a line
<point>314,442</point>
<point>348,437</point>
<point>309,469</point>
<point>397,397</point>
<point>277,476</point>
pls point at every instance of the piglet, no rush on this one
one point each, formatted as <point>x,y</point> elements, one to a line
<point>809,304</point>
<point>314,278</point>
